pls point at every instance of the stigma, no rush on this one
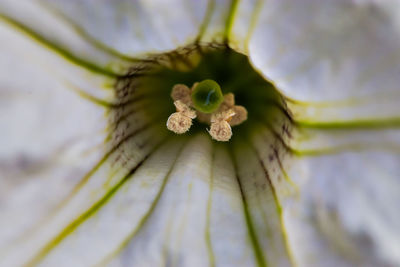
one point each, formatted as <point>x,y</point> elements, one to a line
<point>205,101</point>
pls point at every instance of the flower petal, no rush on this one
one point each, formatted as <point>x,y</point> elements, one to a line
<point>246,15</point>
<point>256,176</point>
<point>341,53</point>
<point>57,159</point>
<point>184,227</point>
<point>187,211</point>
<point>47,129</point>
<point>344,210</point>
<point>337,61</point>
<point>326,141</point>
<point>136,28</point>
<point>107,38</point>
<point>74,185</point>
<point>48,29</point>
<point>347,212</point>
<point>96,237</point>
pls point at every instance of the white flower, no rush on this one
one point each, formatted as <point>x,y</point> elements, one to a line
<point>327,195</point>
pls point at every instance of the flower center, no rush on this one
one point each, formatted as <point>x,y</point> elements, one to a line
<point>209,105</point>
<point>212,85</point>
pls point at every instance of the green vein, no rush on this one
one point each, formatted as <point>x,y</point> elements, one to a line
<point>83,181</point>
<point>350,125</point>
<point>252,233</point>
<point>108,104</point>
<point>208,215</point>
<point>93,99</point>
<point>144,219</point>
<point>278,207</point>
<point>83,217</point>
<point>254,18</point>
<point>332,126</point>
<point>206,20</point>
<point>393,148</point>
<point>85,35</point>
<point>58,49</point>
<point>108,154</point>
<point>230,18</point>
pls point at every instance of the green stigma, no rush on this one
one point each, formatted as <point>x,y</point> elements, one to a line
<point>207,96</point>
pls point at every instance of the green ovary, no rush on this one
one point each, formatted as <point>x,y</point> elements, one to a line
<point>207,96</point>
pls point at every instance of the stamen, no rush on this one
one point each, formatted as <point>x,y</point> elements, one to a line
<point>181,121</point>
<point>240,111</point>
<point>228,103</point>
<point>205,96</point>
<point>183,93</point>
<point>220,129</point>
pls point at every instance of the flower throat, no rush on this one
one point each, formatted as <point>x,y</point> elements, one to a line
<point>203,89</point>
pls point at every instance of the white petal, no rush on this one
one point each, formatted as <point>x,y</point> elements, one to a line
<point>182,206</point>
<point>343,55</point>
<point>227,223</point>
<point>329,52</point>
<point>186,229</point>
<point>343,210</point>
<point>257,177</point>
<point>243,24</point>
<point>53,143</point>
<point>47,129</point>
<point>49,29</point>
<point>137,28</point>
<point>49,123</point>
<point>319,141</point>
<point>105,36</point>
<point>376,111</point>
<point>119,218</point>
<point>40,91</point>
<point>220,15</point>
<point>347,211</point>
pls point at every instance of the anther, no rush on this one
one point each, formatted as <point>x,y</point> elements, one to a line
<point>181,121</point>
<point>220,129</point>
<point>183,93</point>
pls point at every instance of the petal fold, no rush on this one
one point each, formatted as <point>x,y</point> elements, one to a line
<point>339,54</point>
